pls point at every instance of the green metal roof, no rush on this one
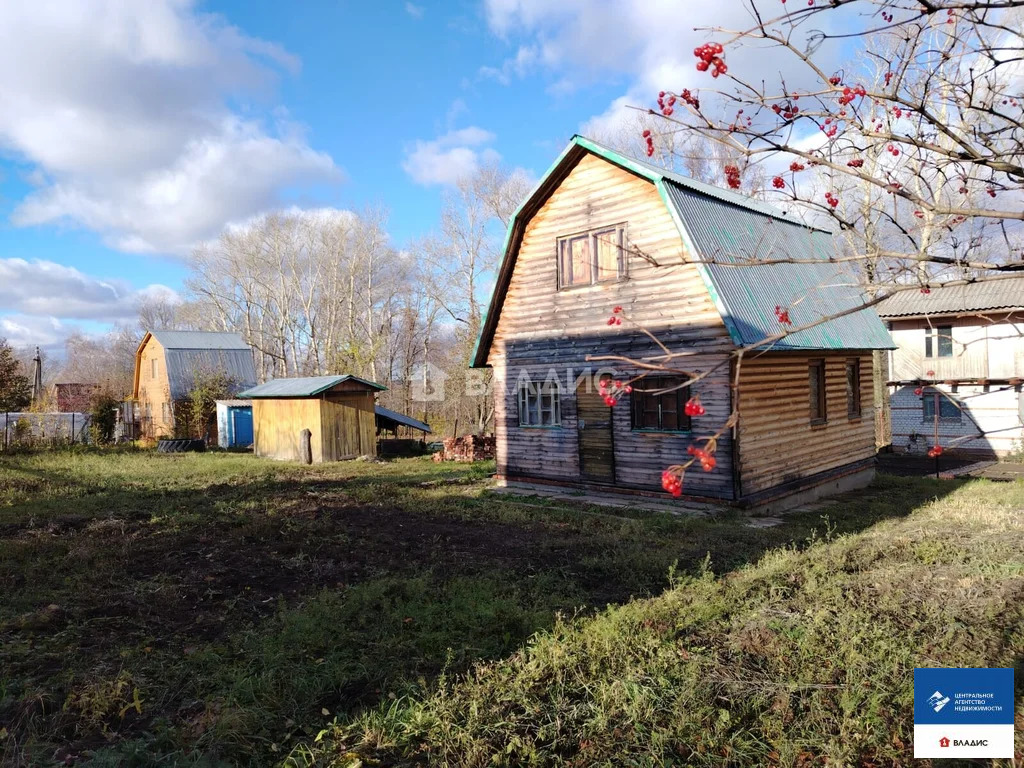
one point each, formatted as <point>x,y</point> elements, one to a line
<point>306,386</point>
<point>726,228</point>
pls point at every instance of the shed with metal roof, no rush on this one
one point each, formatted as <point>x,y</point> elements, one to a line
<point>338,411</point>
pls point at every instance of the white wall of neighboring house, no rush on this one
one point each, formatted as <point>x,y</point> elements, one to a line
<point>984,349</point>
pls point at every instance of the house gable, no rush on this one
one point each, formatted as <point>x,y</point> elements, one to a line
<point>658,288</point>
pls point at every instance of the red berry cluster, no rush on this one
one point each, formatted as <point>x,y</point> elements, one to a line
<point>615,319</point>
<point>778,182</point>
<point>693,407</point>
<point>934,451</point>
<point>849,94</point>
<point>855,163</point>
<point>666,102</point>
<point>650,142</point>
<point>926,290</point>
<point>710,55</point>
<point>690,99</point>
<point>732,176</point>
<point>887,16</point>
<point>611,392</point>
<point>706,459</point>
<point>950,19</point>
<point>796,167</point>
<point>919,391</point>
<point>835,80</point>
<point>918,214</point>
<point>788,110</point>
<point>831,199</point>
<point>672,481</point>
<point>782,315</point>
<point>898,112</point>
<point>893,150</point>
<point>991,191</point>
<point>888,77</point>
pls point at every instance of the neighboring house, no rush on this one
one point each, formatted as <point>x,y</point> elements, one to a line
<point>963,347</point>
<point>338,411</point>
<point>168,364</point>
<point>602,230</point>
<point>76,397</point>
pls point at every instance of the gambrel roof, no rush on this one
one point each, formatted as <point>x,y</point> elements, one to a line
<point>726,230</point>
<point>189,353</point>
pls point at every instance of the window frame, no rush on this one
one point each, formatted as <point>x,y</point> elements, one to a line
<point>152,366</point>
<point>854,404</point>
<point>591,236</point>
<point>936,398</point>
<point>817,410</point>
<point>640,394</point>
<point>539,390</point>
<point>935,338</point>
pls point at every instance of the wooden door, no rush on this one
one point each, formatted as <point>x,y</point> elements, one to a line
<point>596,445</point>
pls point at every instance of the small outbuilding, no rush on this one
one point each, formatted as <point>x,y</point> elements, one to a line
<point>234,423</point>
<point>338,411</point>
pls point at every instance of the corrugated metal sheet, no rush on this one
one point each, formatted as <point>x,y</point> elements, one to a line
<point>731,234</point>
<point>184,365</point>
<point>401,418</point>
<point>999,293</point>
<point>304,386</point>
<point>199,340</point>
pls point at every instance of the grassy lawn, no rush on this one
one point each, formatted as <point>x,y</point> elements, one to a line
<point>220,610</point>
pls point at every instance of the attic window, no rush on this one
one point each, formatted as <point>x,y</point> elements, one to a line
<point>591,257</point>
<point>152,368</point>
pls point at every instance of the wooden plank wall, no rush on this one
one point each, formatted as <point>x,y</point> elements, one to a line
<point>349,426</point>
<point>277,424</point>
<point>542,329</point>
<point>777,443</point>
<point>154,393</point>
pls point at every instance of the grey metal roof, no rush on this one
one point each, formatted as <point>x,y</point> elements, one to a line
<point>185,365</point>
<point>401,418</point>
<point>199,340</point>
<point>726,235</point>
<point>305,386</point>
<point>991,294</point>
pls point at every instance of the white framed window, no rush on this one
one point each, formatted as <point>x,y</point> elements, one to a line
<point>540,404</point>
<point>592,257</point>
<point>152,365</point>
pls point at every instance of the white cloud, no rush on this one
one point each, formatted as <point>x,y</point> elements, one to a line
<point>647,45</point>
<point>416,11</point>
<point>122,110</point>
<point>516,66</point>
<point>31,331</point>
<point>49,292</point>
<point>449,158</point>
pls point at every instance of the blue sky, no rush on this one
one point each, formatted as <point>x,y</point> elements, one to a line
<point>132,131</point>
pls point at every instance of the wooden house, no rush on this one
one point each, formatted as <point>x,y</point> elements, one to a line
<point>168,365</point>
<point>604,230</point>
<point>337,410</point>
<point>957,372</point>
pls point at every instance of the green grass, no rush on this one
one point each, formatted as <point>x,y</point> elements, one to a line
<point>220,610</point>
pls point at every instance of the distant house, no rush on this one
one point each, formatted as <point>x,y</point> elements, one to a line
<point>169,363</point>
<point>963,348</point>
<point>602,229</point>
<point>337,410</point>
<point>74,397</point>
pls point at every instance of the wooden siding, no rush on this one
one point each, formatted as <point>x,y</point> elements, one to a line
<point>543,331</point>
<point>154,392</point>
<point>983,348</point>
<point>349,426</point>
<point>341,421</point>
<point>777,442</point>
<point>278,423</point>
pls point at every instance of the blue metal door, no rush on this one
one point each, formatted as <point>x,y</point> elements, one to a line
<point>241,426</point>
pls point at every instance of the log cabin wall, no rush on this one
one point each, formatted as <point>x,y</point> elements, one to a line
<point>543,330</point>
<point>777,442</point>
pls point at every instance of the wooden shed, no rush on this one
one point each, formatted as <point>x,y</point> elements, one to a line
<point>337,410</point>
